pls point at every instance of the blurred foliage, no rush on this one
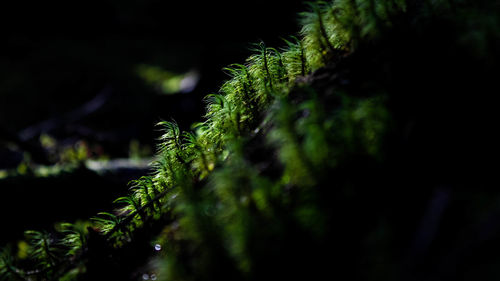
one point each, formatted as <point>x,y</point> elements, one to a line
<point>65,156</point>
<point>167,82</point>
<point>308,163</point>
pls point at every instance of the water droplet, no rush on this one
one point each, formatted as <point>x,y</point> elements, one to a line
<point>145,277</point>
<point>157,247</point>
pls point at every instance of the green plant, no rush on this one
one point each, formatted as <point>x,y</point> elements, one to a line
<point>45,249</point>
<point>74,237</point>
<point>107,221</point>
<point>286,152</point>
<point>8,271</point>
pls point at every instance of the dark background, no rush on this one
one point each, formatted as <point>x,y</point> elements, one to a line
<point>56,56</point>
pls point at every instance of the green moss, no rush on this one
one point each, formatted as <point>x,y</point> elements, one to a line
<point>235,193</point>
